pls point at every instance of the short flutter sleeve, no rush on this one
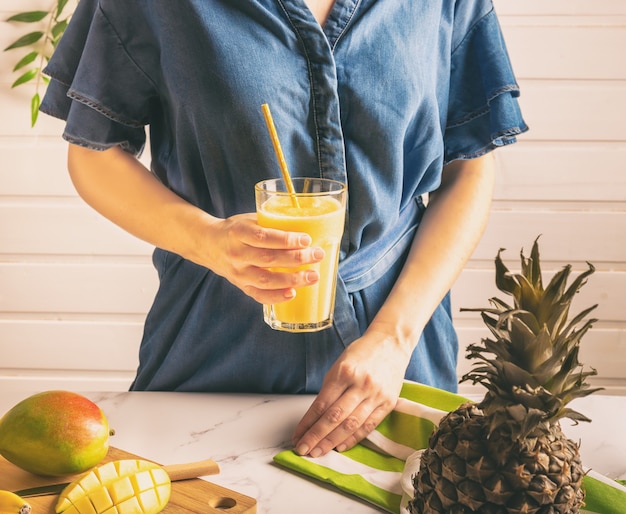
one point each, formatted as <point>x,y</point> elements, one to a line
<point>96,86</point>
<point>483,111</point>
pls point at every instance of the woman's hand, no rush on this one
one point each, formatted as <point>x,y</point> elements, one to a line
<point>359,390</point>
<point>243,252</point>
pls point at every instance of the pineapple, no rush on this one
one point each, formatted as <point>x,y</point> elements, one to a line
<point>507,454</point>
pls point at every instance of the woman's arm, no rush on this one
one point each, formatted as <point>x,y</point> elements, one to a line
<point>119,187</point>
<point>363,385</point>
<point>453,224</point>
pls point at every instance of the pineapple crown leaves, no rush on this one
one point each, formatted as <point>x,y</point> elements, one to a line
<point>530,367</point>
<point>548,306</point>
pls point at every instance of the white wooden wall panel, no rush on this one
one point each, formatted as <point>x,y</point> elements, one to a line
<point>565,172</point>
<point>573,46</point>
<point>42,228</point>
<point>74,289</point>
<point>33,167</point>
<point>563,8</point>
<point>104,343</point>
<point>573,110</point>
<point>562,235</point>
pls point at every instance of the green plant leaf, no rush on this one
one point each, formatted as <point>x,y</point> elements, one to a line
<point>60,6</point>
<point>58,29</point>
<point>34,109</point>
<point>27,39</point>
<point>29,17</point>
<point>57,20</point>
<point>27,59</point>
<point>29,75</point>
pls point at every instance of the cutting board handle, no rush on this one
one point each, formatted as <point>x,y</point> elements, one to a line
<point>192,469</point>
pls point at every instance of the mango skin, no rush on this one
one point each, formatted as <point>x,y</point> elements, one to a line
<point>54,433</point>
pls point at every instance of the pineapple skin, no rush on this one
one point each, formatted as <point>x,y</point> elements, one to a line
<point>464,470</point>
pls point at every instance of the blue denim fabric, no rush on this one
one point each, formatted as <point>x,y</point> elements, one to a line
<point>381,97</point>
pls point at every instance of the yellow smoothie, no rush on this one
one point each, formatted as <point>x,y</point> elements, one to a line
<point>323,219</point>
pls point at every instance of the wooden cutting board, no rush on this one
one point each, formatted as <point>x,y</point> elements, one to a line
<point>188,496</point>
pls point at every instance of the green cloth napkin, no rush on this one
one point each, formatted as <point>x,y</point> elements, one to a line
<point>380,468</point>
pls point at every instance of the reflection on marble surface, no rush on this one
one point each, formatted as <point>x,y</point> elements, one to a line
<point>243,433</point>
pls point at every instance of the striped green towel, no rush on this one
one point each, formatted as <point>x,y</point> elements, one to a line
<point>380,469</point>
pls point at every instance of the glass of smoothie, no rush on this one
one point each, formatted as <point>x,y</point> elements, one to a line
<point>317,207</point>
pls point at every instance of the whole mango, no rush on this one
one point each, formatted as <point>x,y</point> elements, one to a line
<point>55,433</point>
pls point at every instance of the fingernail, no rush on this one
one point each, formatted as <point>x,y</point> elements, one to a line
<point>341,448</point>
<point>318,254</point>
<point>311,276</point>
<point>315,453</point>
<point>303,449</point>
<point>290,293</point>
<point>305,240</point>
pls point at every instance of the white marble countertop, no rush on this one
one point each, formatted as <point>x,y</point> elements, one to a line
<point>243,433</point>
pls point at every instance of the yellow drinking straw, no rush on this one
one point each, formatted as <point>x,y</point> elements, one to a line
<point>279,154</point>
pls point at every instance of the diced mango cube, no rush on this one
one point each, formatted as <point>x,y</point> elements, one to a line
<point>142,481</point>
<point>107,472</point>
<point>90,482</point>
<point>70,494</point>
<point>163,492</point>
<point>84,505</point>
<point>75,492</point>
<point>63,505</point>
<point>130,506</point>
<point>149,500</point>
<point>160,476</point>
<point>121,490</point>
<point>127,466</point>
<point>101,499</point>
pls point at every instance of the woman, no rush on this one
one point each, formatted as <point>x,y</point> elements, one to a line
<point>398,99</point>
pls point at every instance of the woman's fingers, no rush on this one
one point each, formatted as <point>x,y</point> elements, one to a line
<point>268,247</point>
<point>266,264</point>
<point>253,234</point>
<point>349,406</point>
<point>343,424</point>
<point>324,414</point>
<point>359,390</point>
<point>366,428</point>
<point>270,287</point>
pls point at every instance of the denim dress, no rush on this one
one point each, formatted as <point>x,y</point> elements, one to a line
<point>381,97</point>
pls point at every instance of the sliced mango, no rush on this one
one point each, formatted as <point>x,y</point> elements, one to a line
<point>130,486</point>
